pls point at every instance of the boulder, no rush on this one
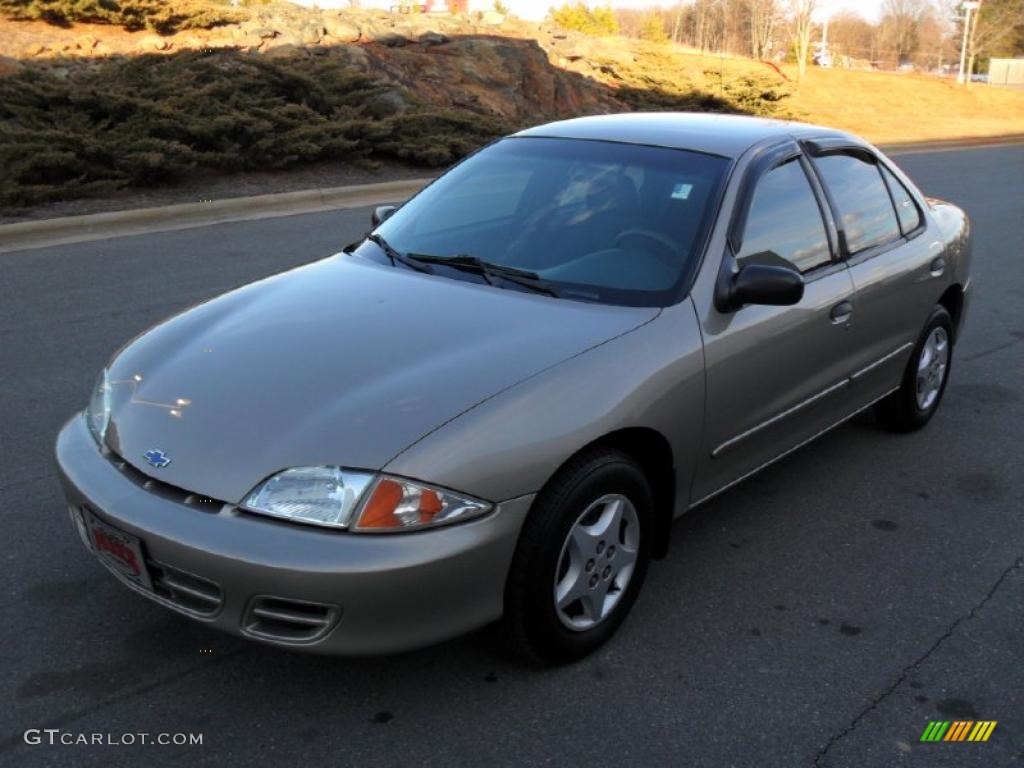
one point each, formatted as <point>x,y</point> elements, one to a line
<point>287,51</point>
<point>311,34</point>
<point>341,30</point>
<point>354,56</point>
<point>371,31</point>
<point>392,40</point>
<point>433,38</point>
<point>154,43</point>
<point>266,33</point>
<point>193,42</point>
<point>387,104</point>
<point>9,66</point>
<point>284,41</point>
<point>252,43</point>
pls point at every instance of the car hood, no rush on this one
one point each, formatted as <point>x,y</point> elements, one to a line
<point>341,362</point>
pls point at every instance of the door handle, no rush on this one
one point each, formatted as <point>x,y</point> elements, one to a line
<point>841,312</point>
<point>938,266</point>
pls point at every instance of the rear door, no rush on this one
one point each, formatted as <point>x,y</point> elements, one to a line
<point>776,376</point>
<point>895,263</point>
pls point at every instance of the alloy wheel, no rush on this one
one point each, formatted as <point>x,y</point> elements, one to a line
<point>597,562</point>
<point>931,367</point>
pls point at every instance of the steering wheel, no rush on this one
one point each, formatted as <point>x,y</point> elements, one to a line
<point>666,249</point>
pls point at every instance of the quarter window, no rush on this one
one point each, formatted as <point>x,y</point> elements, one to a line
<point>784,225</point>
<point>906,208</point>
<point>865,210</point>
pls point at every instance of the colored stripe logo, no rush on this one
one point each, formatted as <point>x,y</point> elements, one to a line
<point>958,730</point>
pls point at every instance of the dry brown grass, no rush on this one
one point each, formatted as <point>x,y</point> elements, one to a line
<point>889,107</point>
<point>883,107</point>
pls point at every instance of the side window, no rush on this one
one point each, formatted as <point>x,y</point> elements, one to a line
<point>906,208</point>
<point>784,225</point>
<point>865,210</point>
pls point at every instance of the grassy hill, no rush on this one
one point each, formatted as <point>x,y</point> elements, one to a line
<point>892,108</point>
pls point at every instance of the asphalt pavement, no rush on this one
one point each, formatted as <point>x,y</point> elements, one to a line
<point>821,613</point>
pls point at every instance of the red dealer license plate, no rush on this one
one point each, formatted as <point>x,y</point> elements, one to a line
<point>119,551</point>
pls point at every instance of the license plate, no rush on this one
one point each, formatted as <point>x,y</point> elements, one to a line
<point>119,551</point>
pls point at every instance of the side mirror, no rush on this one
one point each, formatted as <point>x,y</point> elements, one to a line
<point>759,284</point>
<point>382,213</point>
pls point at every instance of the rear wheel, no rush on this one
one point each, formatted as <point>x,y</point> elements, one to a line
<point>924,380</point>
<point>581,558</point>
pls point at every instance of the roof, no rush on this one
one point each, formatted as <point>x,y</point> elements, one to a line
<point>718,134</point>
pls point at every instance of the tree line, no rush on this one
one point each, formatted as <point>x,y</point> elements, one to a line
<point>923,34</point>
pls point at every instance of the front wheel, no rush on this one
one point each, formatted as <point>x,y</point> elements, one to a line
<point>581,558</point>
<point>924,380</point>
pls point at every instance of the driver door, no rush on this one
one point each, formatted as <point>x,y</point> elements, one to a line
<point>776,375</point>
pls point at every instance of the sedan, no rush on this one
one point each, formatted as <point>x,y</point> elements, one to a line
<point>493,406</point>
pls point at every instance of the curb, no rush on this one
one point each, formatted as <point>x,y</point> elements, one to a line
<point>912,147</point>
<point>100,226</point>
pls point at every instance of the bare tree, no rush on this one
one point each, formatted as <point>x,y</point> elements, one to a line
<point>677,21</point>
<point>935,37</point>
<point>899,26</point>
<point>764,14</point>
<point>800,12</point>
<point>850,36</point>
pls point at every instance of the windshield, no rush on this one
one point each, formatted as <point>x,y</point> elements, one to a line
<point>610,222</point>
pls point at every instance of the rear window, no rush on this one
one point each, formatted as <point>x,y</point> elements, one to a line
<point>865,210</point>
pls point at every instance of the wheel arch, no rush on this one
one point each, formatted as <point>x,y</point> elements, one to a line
<point>953,300</point>
<point>652,451</point>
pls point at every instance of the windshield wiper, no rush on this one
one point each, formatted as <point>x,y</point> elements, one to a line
<point>396,256</point>
<point>489,270</point>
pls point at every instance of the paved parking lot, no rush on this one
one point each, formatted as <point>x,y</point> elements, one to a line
<point>821,613</point>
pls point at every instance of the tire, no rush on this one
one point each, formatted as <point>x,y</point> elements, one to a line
<point>580,499</point>
<point>904,410</point>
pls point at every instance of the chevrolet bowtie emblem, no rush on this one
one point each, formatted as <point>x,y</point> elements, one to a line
<point>157,458</point>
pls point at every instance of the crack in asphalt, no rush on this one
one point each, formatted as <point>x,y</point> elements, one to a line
<point>17,739</point>
<point>905,673</point>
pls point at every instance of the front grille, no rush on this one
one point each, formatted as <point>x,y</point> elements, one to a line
<point>160,488</point>
<point>289,621</point>
<point>185,590</point>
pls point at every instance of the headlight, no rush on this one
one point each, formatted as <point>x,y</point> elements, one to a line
<point>98,414</point>
<point>360,501</point>
<point>318,495</point>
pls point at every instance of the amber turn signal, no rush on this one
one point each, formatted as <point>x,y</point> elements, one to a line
<point>401,505</point>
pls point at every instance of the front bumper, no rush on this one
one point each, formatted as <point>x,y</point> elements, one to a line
<point>379,593</point>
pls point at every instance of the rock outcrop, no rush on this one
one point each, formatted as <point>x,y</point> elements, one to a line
<point>485,62</point>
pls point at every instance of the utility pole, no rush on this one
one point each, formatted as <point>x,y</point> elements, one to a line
<point>969,5</point>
